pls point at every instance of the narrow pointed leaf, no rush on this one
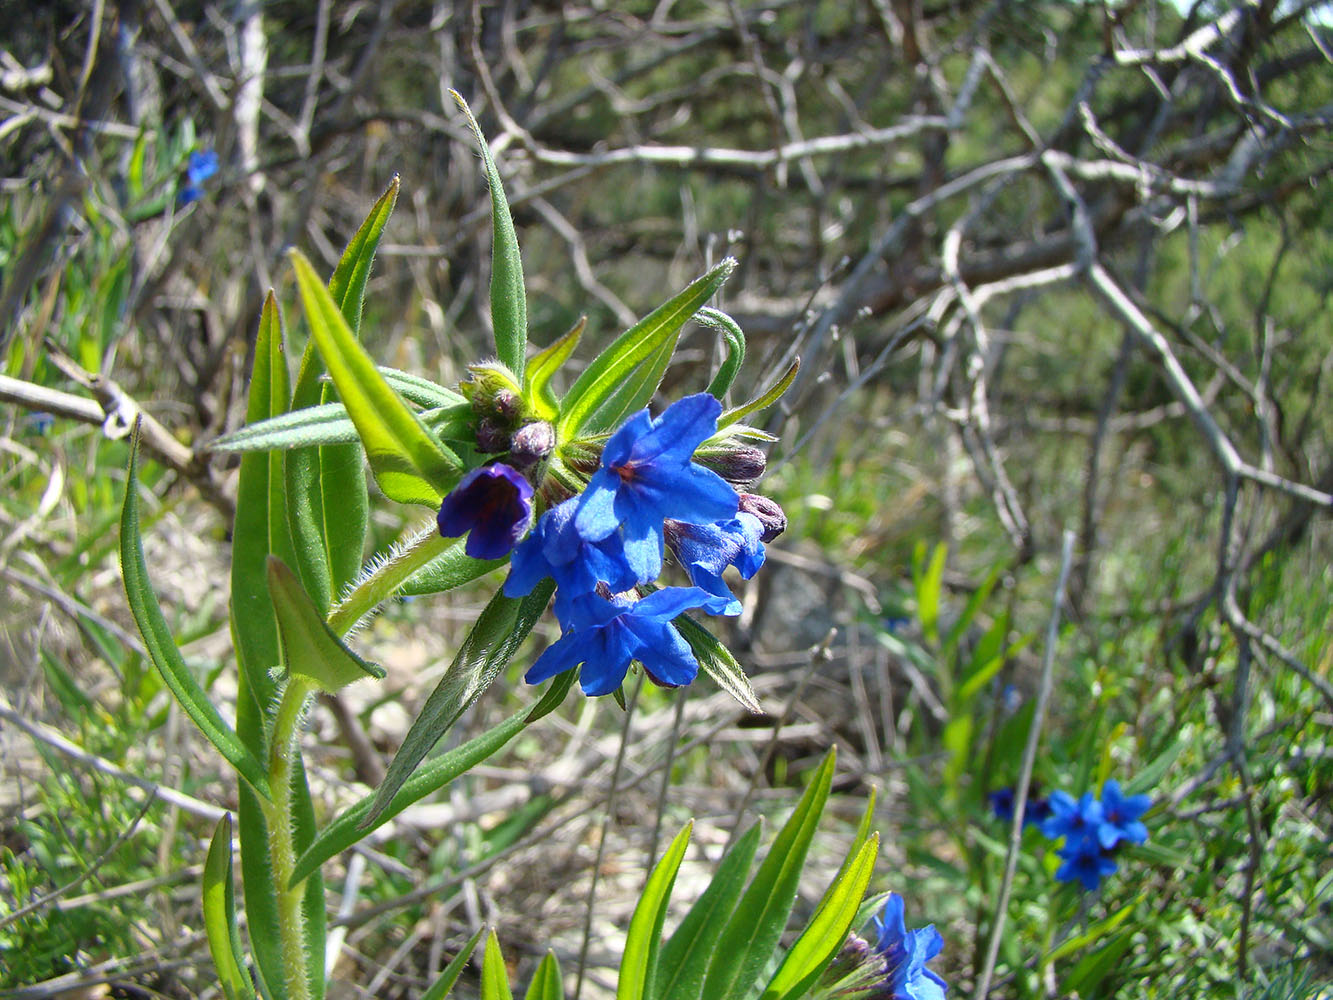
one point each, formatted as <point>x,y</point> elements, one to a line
<point>441,987</point>
<point>547,363</point>
<point>546,983</point>
<point>224,939</point>
<point>684,959</point>
<point>422,391</point>
<point>509,303</point>
<point>637,345</point>
<point>495,638</point>
<point>735,338</point>
<point>409,464</point>
<point>716,661</point>
<point>327,424</point>
<point>494,976</point>
<point>348,284</point>
<point>638,964</point>
<point>765,399</point>
<point>451,568</point>
<point>822,938</point>
<point>161,646</point>
<point>347,829</point>
<point>748,941</point>
<point>310,650</point>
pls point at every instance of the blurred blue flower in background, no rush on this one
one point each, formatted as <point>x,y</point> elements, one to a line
<point>1121,814</point>
<point>200,167</point>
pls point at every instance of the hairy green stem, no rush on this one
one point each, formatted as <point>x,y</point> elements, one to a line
<point>383,581</point>
<point>282,837</point>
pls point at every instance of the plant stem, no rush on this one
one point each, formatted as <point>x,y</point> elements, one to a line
<point>381,582</point>
<point>282,837</point>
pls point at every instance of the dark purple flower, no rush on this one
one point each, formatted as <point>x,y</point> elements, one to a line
<point>492,505</point>
<point>647,475</point>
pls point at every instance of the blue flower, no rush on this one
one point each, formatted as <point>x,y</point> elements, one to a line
<point>1072,820</point>
<point>201,166</point>
<point>647,475</point>
<point>1036,811</point>
<point>1120,820</point>
<point>906,954</point>
<point>605,635</point>
<point>1085,861</point>
<point>492,505</point>
<point>557,550</point>
<point>705,550</point>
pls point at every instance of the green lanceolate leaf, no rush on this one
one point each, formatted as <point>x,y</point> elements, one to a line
<point>735,338</point>
<point>494,977</point>
<point>161,646</point>
<point>441,987</point>
<point>638,965</point>
<point>348,284</point>
<point>310,650</point>
<point>764,400</point>
<point>537,384</point>
<point>637,345</point>
<point>451,568</point>
<point>494,639</point>
<point>422,391</point>
<point>716,661</point>
<point>546,983</point>
<point>509,303</point>
<point>224,940</point>
<point>409,464</point>
<point>752,933</point>
<point>684,959</point>
<point>327,424</point>
<point>822,938</point>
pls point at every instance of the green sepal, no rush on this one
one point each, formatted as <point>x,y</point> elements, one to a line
<point>494,976</point>
<point>822,938</point>
<point>409,464</point>
<point>509,303</point>
<point>735,338</point>
<point>495,637</point>
<point>537,389</point>
<point>449,976</point>
<point>351,826</point>
<point>638,964</point>
<point>747,943</point>
<point>219,906</point>
<point>765,399</point>
<point>685,957</point>
<point>310,650</point>
<point>716,661</point>
<point>161,646</point>
<point>639,345</point>
<point>546,983</point>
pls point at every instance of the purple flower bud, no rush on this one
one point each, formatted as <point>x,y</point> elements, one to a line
<point>492,436</point>
<point>492,505</point>
<point>736,463</point>
<point>507,405</point>
<point>531,443</point>
<point>769,513</point>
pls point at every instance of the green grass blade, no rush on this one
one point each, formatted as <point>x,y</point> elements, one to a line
<point>494,976</point>
<point>752,933</point>
<point>641,342</point>
<point>684,959</point>
<point>409,464</point>
<point>638,964</point>
<point>822,938</point>
<point>494,639</point>
<point>224,940</point>
<point>546,983</point>
<point>509,303</point>
<point>147,612</point>
<point>441,987</point>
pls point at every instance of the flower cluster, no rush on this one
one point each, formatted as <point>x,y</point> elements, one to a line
<point>1092,829</point>
<point>201,166</point>
<point>604,546</point>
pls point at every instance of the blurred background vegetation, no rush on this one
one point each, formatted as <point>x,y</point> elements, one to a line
<point>1050,266</point>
